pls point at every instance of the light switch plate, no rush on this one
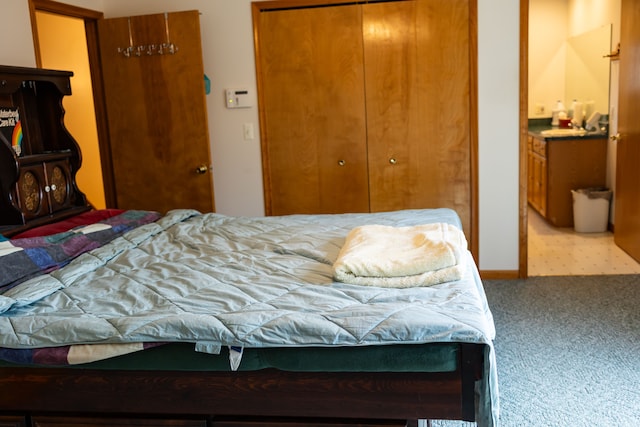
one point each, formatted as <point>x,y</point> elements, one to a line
<point>247,130</point>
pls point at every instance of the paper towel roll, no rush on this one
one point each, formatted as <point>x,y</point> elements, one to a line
<point>578,114</point>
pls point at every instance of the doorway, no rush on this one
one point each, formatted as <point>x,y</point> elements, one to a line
<point>546,250</point>
<point>88,20</point>
<point>62,46</point>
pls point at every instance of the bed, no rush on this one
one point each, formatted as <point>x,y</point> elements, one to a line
<point>197,319</point>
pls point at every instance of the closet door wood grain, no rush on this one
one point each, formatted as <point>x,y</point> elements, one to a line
<point>392,98</point>
<point>419,105</point>
<point>313,114</point>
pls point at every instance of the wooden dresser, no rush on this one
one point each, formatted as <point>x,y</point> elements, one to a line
<point>557,166</point>
<point>38,157</point>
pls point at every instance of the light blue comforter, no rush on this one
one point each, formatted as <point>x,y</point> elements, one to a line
<point>251,282</point>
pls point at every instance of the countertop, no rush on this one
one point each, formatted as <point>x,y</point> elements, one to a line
<point>537,126</point>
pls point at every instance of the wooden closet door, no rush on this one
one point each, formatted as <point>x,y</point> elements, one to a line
<point>392,99</point>
<point>313,114</point>
<point>157,116</point>
<point>418,97</point>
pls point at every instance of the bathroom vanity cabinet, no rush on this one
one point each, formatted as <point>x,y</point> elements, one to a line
<point>558,165</point>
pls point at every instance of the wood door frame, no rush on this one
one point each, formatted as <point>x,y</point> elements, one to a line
<point>90,18</point>
<point>523,239</point>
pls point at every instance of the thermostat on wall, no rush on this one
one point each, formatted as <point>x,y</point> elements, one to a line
<point>238,98</point>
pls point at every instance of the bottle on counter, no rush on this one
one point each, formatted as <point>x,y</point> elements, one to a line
<point>555,113</point>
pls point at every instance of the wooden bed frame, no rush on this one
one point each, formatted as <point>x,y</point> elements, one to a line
<point>47,397</point>
<point>56,397</point>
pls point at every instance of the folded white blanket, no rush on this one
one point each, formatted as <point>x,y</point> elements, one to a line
<point>401,257</point>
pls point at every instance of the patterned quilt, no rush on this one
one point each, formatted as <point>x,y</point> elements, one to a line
<point>21,259</point>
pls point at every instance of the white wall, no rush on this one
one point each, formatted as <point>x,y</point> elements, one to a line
<point>548,34</point>
<point>498,145</point>
<point>227,39</point>
<point>551,23</point>
<point>15,33</point>
<point>585,15</point>
<point>87,4</point>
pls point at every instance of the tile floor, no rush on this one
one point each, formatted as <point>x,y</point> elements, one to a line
<point>562,251</point>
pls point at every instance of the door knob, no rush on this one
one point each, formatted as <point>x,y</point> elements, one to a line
<point>202,169</point>
<point>615,137</point>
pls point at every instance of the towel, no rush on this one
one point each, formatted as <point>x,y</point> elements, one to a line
<point>401,257</point>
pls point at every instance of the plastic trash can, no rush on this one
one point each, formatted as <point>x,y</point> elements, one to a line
<point>591,209</point>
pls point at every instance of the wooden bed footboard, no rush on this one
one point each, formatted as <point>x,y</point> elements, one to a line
<point>48,397</point>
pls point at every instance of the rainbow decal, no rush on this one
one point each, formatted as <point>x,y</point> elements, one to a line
<point>16,138</point>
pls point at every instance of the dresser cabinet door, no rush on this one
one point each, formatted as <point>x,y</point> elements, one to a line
<point>32,198</point>
<point>58,184</point>
<point>44,188</point>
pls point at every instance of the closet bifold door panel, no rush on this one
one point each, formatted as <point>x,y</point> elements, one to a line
<point>392,98</point>
<point>313,126</point>
<point>367,106</point>
<point>418,105</point>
